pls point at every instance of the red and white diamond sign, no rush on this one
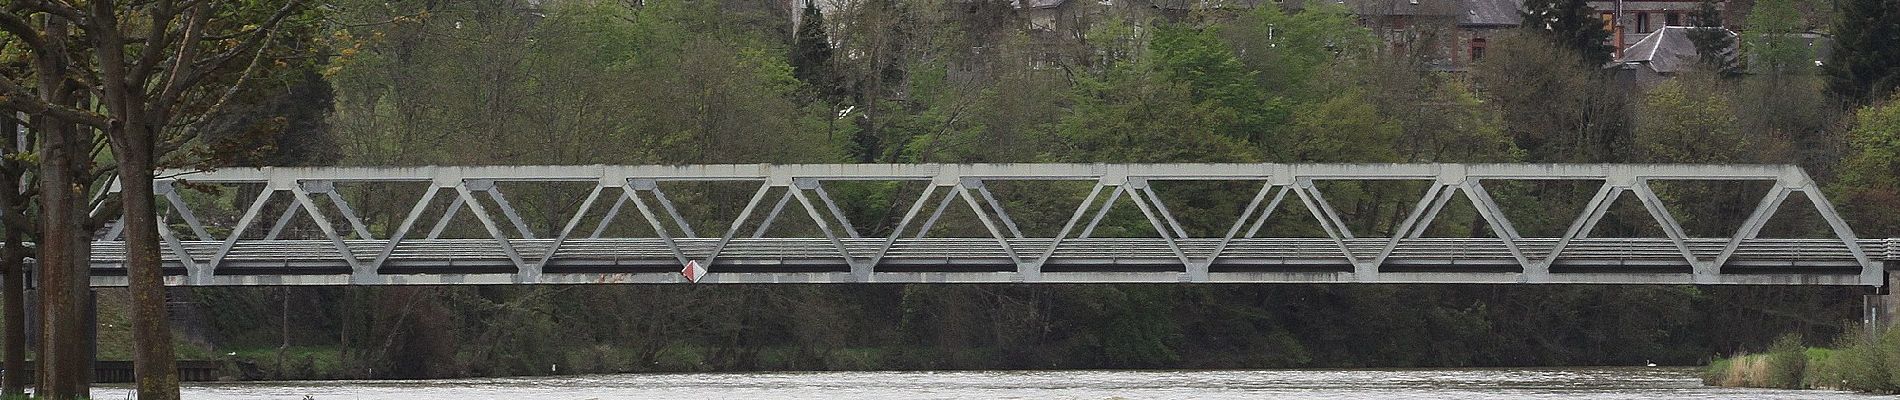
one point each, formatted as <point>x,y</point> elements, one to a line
<point>693,271</point>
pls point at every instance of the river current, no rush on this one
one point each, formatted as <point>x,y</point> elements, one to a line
<point>1460,384</point>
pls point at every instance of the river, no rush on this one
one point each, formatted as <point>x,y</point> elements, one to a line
<point>1460,384</point>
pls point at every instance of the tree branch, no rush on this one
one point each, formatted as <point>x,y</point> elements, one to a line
<point>20,99</point>
<point>202,70</point>
<point>17,26</point>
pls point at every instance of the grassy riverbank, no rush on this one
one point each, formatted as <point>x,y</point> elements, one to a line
<point>1857,363</point>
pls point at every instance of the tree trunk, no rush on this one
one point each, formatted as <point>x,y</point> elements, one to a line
<point>12,270</point>
<point>64,370</point>
<point>152,359</point>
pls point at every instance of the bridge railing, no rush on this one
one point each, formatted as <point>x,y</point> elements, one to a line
<point>369,225</point>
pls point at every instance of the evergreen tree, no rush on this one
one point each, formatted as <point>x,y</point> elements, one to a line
<point>1865,64</point>
<point>811,52</point>
<point>1572,24</point>
<point>1715,45</point>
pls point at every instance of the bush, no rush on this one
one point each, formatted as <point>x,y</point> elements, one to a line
<point>1787,362</point>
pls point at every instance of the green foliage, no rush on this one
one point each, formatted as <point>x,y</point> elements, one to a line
<point>1868,187</point>
<point>1714,45</point>
<point>1865,65</point>
<point>1677,124</point>
<point>1572,24</point>
<point>1771,43</point>
<point>811,52</point>
<point>1788,360</point>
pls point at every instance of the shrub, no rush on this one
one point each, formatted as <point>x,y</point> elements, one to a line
<point>1787,361</point>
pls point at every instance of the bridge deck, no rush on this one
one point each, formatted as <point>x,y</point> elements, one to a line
<point>1278,260</point>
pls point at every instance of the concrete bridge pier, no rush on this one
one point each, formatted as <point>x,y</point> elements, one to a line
<point>1879,310</point>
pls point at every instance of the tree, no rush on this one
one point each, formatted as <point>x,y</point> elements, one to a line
<point>64,241</point>
<point>178,68</point>
<point>811,52</point>
<point>1677,124</point>
<point>1869,185</point>
<point>1571,24</point>
<point>1771,45</point>
<point>1714,44</point>
<point>1865,64</point>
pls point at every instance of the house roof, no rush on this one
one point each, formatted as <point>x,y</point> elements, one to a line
<point>1424,8</point>
<point>1491,13</point>
<point>1667,50</point>
<point>1037,3</point>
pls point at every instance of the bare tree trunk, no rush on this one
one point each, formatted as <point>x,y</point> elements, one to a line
<point>64,369</point>
<point>13,268</point>
<point>153,361</point>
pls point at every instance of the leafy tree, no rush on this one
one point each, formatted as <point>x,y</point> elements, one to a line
<point>1865,64</point>
<point>1714,45</point>
<point>1869,185</point>
<point>1771,44</point>
<point>1571,24</point>
<point>1677,124</point>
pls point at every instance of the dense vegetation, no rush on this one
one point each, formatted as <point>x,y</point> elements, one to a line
<point>1859,362</point>
<point>676,82</point>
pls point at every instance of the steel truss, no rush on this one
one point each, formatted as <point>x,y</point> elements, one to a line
<point>514,254</point>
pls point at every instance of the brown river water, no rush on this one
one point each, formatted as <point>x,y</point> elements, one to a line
<point>1459,384</point>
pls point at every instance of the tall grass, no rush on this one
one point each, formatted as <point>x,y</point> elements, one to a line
<point>1858,363</point>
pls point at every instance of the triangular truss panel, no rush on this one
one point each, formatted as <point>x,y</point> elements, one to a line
<point>762,223</point>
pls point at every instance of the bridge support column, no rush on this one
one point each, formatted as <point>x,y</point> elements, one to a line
<point>1880,309</point>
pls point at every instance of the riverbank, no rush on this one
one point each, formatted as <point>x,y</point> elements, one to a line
<point>1858,363</point>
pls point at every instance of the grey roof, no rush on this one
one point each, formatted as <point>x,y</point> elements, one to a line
<point>1038,3</point>
<point>1429,8</point>
<point>1491,13</point>
<point>1208,4</point>
<point>1667,50</point>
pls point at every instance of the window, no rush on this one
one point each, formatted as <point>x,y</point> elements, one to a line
<point>1642,22</point>
<point>1477,49</point>
<point>1672,19</point>
<point>1609,21</point>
